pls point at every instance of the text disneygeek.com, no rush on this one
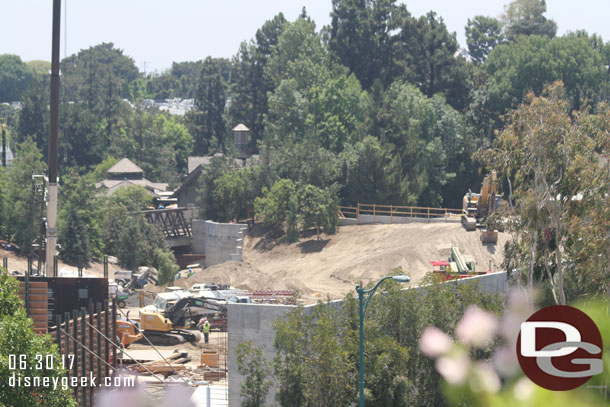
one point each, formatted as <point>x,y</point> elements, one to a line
<point>21,365</point>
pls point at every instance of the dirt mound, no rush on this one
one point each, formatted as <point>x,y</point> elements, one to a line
<point>237,274</point>
<point>334,265</point>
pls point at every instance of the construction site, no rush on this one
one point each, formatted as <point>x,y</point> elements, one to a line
<point>124,322</point>
<point>234,280</point>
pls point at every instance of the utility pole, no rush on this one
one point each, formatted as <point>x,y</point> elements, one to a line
<point>4,142</point>
<point>54,130</point>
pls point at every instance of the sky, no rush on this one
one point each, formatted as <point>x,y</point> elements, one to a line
<point>156,33</point>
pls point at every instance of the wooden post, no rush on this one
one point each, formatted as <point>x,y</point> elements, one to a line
<point>67,357</point>
<point>75,336</point>
<point>390,214</point>
<point>98,320</point>
<point>105,266</point>
<point>5,263</point>
<point>358,213</point>
<point>83,340</point>
<point>58,332</point>
<point>26,286</point>
<point>411,215</point>
<point>428,213</point>
<point>90,346</point>
<point>373,212</point>
<point>106,344</point>
<point>114,335</point>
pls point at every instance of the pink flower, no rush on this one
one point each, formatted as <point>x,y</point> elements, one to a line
<point>453,368</point>
<point>505,361</point>
<point>434,342</point>
<point>477,327</point>
<point>484,379</point>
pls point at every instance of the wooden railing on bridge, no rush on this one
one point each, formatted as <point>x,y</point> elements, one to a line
<point>354,212</point>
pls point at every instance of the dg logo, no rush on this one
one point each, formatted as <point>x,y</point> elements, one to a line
<point>560,348</point>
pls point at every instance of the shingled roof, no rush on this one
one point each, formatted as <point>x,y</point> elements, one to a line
<point>125,166</point>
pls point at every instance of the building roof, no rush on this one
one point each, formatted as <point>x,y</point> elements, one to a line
<point>193,162</point>
<point>125,166</point>
<point>152,186</point>
<point>240,127</point>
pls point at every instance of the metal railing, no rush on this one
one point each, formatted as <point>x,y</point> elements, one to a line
<point>350,212</point>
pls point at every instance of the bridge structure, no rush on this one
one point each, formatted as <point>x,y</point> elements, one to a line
<point>174,224</point>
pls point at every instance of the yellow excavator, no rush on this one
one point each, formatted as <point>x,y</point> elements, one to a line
<point>478,209</point>
<point>173,326</point>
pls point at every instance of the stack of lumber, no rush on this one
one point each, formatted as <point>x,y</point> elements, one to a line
<point>160,366</point>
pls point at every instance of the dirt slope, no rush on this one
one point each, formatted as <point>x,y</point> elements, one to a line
<point>365,252</point>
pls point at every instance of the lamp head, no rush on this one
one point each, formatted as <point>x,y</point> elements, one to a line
<point>401,278</point>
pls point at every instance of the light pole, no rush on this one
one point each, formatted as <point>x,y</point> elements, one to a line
<point>364,298</point>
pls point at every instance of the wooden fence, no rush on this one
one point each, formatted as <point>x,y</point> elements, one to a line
<point>86,339</point>
<point>354,212</point>
<point>35,295</point>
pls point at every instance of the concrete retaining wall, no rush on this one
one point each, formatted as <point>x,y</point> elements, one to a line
<point>367,219</point>
<point>252,322</point>
<point>223,242</point>
<point>198,239</point>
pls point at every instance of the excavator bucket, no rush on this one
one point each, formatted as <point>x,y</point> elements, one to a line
<point>489,236</point>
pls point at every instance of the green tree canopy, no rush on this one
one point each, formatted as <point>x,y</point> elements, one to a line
<point>206,120</point>
<point>482,35</point>
<point>17,337</point>
<point>525,17</point>
<point>528,63</point>
<point>15,78</point>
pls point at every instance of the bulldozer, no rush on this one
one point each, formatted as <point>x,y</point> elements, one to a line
<point>479,208</point>
<point>171,327</point>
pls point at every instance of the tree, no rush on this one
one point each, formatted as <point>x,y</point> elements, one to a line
<point>427,52</point>
<point>100,77</point>
<point>360,37</point>
<point>253,365</point>
<point>528,63</point>
<point>546,155</point>
<point>80,142</point>
<point>525,17</point>
<point>17,337</point>
<point>274,204</point>
<point>206,119</point>
<point>423,136</point>
<point>317,351</point>
<point>15,78</point>
<point>33,116</point>
<point>79,234</point>
<point>318,209</point>
<point>482,35</point>
<point>138,241</point>
<point>300,56</point>
<point>250,86</point>
<point>19,226</point>
<point>165,263</point>
<point>230,195</point>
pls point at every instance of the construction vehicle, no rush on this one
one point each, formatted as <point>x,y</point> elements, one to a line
<point>170,327</point>
<point>136,280</point>
<point>479,208</point>
<point>458,266</point>
<point>128,331</point>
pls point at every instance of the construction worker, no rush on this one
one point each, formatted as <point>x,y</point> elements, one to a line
<point>206,331</point>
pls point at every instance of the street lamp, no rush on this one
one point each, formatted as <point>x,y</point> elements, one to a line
<point>363,305</point>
